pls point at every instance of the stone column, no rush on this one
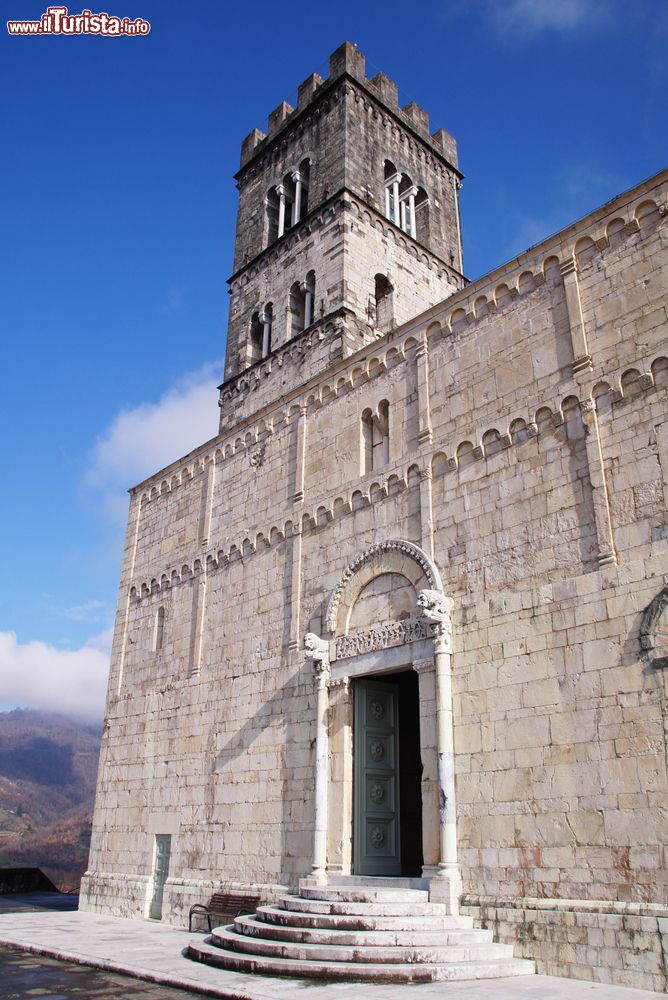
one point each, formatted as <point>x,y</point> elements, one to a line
<point>604,536</point>
<point>266,334</point>
<point>129,559</point>
<point>662,449</point>
<point>581,356</point>
<point>428,755</point>
<point>410,212</point>
<point>456,188</point>
<point>395,194</point>
<point>308,306</point>
<point>295,551</point>
<point>317,649</point>
<point>280,190</point>
<point>339,842</point>
<point>297,205</point>
<point>426,512</point>
<point>446,886</point>
<point>301,454</point>
<point>424,409</point>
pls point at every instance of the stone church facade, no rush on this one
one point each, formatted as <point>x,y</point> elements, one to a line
<point>407,614</point>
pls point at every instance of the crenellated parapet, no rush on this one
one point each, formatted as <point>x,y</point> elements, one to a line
<point>348,61</point>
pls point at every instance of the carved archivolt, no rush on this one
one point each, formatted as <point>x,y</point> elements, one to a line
<point>654,630</point>
<point>392,556</point>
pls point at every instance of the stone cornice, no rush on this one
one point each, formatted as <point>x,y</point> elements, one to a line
<point>373,488</point>
<point>340,200</point>
<point>464,302</point>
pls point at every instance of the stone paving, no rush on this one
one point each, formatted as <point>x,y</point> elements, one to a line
<point>152,953</point>
<point>37,976</point>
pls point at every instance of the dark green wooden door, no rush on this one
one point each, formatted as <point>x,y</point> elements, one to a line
<point>163,845</point>
<point>376,847</point>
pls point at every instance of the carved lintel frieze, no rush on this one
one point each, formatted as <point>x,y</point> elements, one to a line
<point>381,637</point>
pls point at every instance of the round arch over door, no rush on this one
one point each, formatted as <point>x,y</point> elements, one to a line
<point>395,555</point>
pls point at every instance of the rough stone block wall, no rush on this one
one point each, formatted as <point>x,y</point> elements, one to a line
<point>321,128</point>
<point>528,453</point>
<point>595,942</point>
<point>346,134</point>
<point>373,137</point>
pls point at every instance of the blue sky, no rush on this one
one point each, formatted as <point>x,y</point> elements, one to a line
<point>118,221</point>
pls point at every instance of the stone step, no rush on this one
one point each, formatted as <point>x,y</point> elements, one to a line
<point>363,894</point>
<point>375,881</point>
<point>396,935</point>
<point>364,921</point>
<point>226,938</point>
<point>357,972</point>
<point>384,909</point>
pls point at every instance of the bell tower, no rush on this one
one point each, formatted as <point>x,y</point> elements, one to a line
<point>347,226</point>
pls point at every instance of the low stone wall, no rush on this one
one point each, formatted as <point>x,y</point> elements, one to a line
<point>605,942</point>
<point>24,880</point>
<point>117,893</point>
<point>124,895</point>
<point>181,894</point>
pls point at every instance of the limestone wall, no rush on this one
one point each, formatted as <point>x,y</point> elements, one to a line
<point>528,454</point>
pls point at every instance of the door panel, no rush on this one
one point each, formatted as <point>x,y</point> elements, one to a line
<point>376,776</point>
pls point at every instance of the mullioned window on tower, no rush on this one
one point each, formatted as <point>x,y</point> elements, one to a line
<point>287,202</point>
<point>405,203</point>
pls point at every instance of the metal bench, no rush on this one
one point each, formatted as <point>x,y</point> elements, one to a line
<point>224,907</point>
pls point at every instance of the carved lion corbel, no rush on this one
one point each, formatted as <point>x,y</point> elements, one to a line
<point>435,606</point>
<point>317,649</point>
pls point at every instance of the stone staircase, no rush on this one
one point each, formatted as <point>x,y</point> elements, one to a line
<point>359,932</point>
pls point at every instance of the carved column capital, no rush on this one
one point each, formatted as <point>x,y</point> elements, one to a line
<point>423,666</point>
<point>341,684</point>
<point>568,266</point>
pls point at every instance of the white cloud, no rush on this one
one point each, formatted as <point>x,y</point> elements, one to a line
<point>529,16</point>
<point>522,18</point>
<point>37,675</point>
<point>142,440</point>
<point>89,611</point>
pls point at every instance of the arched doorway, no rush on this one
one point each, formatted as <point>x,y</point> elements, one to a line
<point>384,817</point>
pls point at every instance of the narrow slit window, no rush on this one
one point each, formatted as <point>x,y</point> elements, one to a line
<point>159,629</point>
<point>375,438</point>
